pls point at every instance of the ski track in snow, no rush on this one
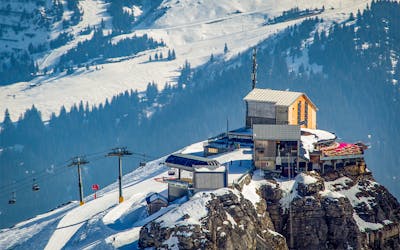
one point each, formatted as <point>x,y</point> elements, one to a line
<point>187,27</point>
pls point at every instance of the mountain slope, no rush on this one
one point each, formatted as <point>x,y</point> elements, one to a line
<point>194,37</point>
<point>360,100</point>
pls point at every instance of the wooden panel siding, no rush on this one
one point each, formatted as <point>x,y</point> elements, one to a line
<point>296,115</point>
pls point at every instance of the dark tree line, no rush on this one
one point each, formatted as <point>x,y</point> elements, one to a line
<point>16,67</point>
<point>101,48</point>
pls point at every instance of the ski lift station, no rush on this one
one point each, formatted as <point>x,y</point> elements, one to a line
<point>195,174</point>
<point>279,135</point>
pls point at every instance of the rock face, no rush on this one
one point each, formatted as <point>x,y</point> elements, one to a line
<point>344,209</point>
<point>231,223</point>
<point>345,212</point>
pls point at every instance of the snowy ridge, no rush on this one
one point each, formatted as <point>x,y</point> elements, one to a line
<point>195,30</point>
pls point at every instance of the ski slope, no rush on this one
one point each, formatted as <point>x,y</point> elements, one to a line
<point>195,30</point>
<point>102,222</point>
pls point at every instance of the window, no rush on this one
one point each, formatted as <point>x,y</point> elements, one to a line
<point>299,112</point>
<point>306,114</point>
<point>213,150</point>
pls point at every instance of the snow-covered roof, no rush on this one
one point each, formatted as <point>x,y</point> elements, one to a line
<point>310,137</point>
<point>320,135</point>
<point>155,196</point>
<point>279,97</point>
<point>207,169</point>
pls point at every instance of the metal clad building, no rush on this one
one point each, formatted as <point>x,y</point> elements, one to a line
<point>267,106</point>
<point>206,179</point>
<point>208,174</point>
<point>276,132</point>
<point>275,146</point>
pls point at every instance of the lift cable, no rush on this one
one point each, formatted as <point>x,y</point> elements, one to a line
<point>57,170</point>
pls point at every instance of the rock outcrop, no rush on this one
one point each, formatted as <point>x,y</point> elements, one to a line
<point>231,222</point>
<point>345,212</point>
<point>339,210</point>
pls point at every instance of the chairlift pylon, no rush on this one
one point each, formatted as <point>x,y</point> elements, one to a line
<point>13,199</point>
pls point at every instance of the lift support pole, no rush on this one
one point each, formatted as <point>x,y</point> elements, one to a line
<point>119,152</point>
<point>78,161</point>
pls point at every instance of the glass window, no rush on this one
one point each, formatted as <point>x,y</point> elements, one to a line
<point>299,112</point>
<point>306,113</point>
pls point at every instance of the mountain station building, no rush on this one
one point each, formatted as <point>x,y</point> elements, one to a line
<point>267,106</point>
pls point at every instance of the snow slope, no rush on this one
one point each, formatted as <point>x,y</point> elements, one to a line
<point>56,229</point>
<point>102,222</point>
<point>194,29</point>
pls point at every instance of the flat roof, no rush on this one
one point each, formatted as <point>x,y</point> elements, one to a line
<point>188,162</point>
<point>279,97</point>
<point>276,132</point>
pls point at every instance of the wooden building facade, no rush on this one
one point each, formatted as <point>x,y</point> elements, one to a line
<point>266,106</point>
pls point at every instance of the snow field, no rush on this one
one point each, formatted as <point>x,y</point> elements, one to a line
<point>194,29</point>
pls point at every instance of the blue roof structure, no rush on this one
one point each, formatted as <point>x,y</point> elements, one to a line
<point>154,196</point>
<point>188,162</point>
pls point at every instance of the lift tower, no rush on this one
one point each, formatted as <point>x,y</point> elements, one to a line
<point>78,161</point>
<point>119,152</point>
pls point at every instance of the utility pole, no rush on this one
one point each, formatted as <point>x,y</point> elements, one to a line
<point>290,208</point>
<point>78,161</point>
<point>254,71</point>
<point>119,152</point>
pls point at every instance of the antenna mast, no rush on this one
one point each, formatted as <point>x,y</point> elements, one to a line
<point>254,71</point>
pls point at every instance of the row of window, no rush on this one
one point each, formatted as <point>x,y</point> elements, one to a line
<point>299,121</point>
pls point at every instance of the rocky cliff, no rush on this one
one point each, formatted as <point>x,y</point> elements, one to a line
<point>344,209</point>
<point>218,220</point>
<point>338,210</point>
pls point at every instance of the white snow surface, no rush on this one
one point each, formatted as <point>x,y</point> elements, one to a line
<point>353,192</point>
<point>365,225</point>
<point>308,141</point>
<point>103,223</point>
<point>305,179</point>
<point>195,29</point>
<point>99,223</point>
<point>195,209</point>
<point>250,191</point>
<point>238,162</point>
